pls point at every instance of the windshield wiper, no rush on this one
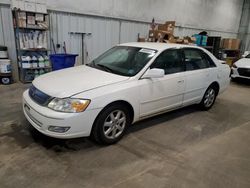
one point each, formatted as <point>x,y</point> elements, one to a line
<point>91,64</point>
<point>105,68</point>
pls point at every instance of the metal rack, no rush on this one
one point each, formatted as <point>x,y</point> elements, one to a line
<point>27,75</point>
<point>232,56</point>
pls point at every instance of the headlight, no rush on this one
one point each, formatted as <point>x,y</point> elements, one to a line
<point>234,66</point>
<point>69,105</point>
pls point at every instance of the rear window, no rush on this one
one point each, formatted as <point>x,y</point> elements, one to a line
<point>194,60</point>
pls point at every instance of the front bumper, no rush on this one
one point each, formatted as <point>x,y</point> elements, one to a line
<point>42,117</point>
<point>235,74</point>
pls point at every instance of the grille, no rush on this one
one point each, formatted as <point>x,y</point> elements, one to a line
<point>38,96</point>
<point>244,72</point>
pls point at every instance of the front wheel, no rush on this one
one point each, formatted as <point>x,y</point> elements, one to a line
<point>111,124</point>
<point>208,98</point>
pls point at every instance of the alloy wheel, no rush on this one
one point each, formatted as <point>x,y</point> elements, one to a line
<point>209,97</point>
<point>114,124</point>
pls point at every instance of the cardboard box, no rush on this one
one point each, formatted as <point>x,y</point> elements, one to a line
<point>179,41</point>
<point>22,15</point>
<point>41,8</point>
<point>39,17</point>
<point>232,44</point>
<point>171,39</point>
<point>141,40</point>
<point>22,23</point>
<point>19,4</point>
<point>190,40</point>
<point>168,26</point>
<point>31,20</point>
<point>157,33</point>
<point>30,6</point>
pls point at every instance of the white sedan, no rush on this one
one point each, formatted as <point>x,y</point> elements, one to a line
<point>128,83</point>
<point>241,68</point>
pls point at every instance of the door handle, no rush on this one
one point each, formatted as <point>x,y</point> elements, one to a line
<point>180,81</point>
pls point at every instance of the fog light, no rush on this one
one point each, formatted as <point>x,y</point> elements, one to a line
<point>58,129</point>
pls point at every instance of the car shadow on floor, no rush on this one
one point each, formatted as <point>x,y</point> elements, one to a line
<point>241,81</point>
<point>149,122</point>
<point>67,145</point>
<point>60,145</point>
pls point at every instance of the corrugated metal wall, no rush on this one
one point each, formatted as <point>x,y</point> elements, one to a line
<point>244,30</point>
<point>7,34</point>
<point>105,32</point>
<point>130,30</point>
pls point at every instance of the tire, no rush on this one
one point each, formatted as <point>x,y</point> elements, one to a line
<point>5,80</point>
<point>111,124</point>
<point>209,98</point>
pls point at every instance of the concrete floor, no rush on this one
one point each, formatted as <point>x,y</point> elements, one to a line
<point>185,148</point>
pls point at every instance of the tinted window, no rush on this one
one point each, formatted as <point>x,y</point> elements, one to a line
<point>248,56</point>
<point>170,61</point>
<point>210,61</point>
<point>194,59</point>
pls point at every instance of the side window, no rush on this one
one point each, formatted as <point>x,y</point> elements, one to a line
<point>195,60</point>
<point>210,61</point>
<point>170,61</point>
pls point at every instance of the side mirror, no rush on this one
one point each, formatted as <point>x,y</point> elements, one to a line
<point>154,73</point>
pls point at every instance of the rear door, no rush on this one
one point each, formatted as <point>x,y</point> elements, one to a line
<point>197,75</point>
<point>161,94</point>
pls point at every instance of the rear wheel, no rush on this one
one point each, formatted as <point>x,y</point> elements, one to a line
<point>208,98</point>
<point>111,124</point>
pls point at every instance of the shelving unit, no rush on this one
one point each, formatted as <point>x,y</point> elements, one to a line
<point>32,28</point>
<point>232,56</point>
<point>213,45</point>
<point>27,27</point>
<point>5,74</point>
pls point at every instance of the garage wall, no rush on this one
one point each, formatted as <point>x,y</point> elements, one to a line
<point>6,30</point>
<point>105,32</point>
<point>118,21</point>
<point>212,15</point>
<point>7,34</point>
<point>244,29</point>
<point>218,15</point>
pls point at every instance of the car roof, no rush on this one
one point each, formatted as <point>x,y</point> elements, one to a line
<point>157,46</point>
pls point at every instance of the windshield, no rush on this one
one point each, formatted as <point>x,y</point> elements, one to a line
<point>123,60</point>
<point>248,56</point>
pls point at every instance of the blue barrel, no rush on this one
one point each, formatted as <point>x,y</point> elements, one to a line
<point>62,61</point>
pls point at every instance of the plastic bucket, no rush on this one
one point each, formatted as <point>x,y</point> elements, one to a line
<point>5,66</point>
<point>62,61</point>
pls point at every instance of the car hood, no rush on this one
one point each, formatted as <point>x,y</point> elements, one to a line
<point>71,81</point>
<point>243,63</point>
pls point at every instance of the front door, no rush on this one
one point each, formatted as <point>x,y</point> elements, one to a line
<point>162,94</point>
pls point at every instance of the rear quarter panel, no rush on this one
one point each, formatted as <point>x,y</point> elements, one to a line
<point>223,76</point>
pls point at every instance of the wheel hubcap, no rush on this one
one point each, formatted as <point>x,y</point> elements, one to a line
<point>209,97</point>
<point>114,124</point>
